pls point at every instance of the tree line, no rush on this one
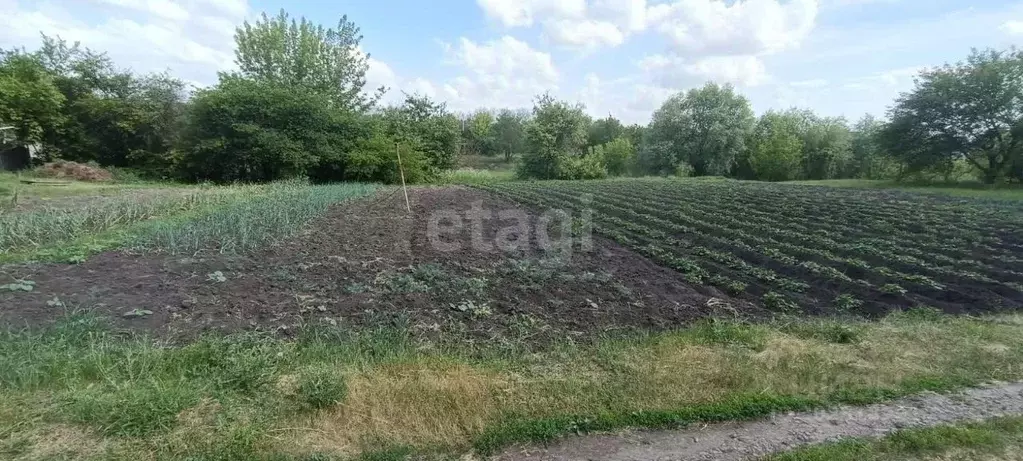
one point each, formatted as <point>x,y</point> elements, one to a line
<point>298,106</point>
<point>961,121</point>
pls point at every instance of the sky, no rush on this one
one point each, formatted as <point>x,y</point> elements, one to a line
<point>618,57</point>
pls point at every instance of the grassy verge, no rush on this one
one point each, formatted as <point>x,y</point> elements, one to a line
<point>224,218</point>
<point>473,176</point>
<point>11,182</point>
<point>83,392</point>
<point>973,190</point>
<point>995,439</point>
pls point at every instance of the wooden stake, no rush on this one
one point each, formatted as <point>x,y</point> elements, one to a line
<point>401,171</point>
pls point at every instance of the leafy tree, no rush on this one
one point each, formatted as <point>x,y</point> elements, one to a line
<point>618,156</point>
<point>112,117</point>
<point>971,110</point>
<point>326,61</point>
<point>604,130</point>
<point>556,133</point>
<point>869,160</point>
<point>477,133</point>
<point>705,128</point>
<point>509,132</point>
<point>245,130</point>
<point>374,158</point>
<point>421,122</point>
<point>584,166</point>
<point>776,149</point>
<point>827,148</point>
<point>29,100</point>
<point>634,133</point>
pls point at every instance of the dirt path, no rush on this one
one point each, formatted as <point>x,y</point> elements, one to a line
<point>737,441</point>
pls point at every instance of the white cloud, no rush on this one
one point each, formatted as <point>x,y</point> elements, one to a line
<point>502,73</point>
<point>573,23</point>
<point>380,74</point>
<point>506,57</point>
<point>1013,27</point>
<point>630,15</point>
<point>812,83</point>
<point>192,37</point>
<point>677,72</point>
<point>505,72</point>
<point>162,8</point>
<point>899,79</point>
<point>584,34</point>
<point>750,27</point>
<point>521,13</point>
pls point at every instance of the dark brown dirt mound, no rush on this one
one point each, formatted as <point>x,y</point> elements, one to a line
<point>368,262</point>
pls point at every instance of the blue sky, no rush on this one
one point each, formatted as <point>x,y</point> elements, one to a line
<point>624,57</point>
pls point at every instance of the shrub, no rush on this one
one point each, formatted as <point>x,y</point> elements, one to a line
<point>619,156</point>
<point>375,159</point>
<point>683,170</point>
<point>584,167</point>
<point>243,130</point>
<point>554,137</point>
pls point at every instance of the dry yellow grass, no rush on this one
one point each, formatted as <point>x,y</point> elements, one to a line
<point>416,403</point>
<point>431,403</point>
<point>429,399</point>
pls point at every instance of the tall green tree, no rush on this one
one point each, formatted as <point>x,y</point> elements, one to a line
<point>827,148</point>
<point>869,159</point>
<point>555,140</point>
<point>428,125</point>
<point>776,147</point>
<point>619,156</point>
<point>256,131</point>
<point>705,128</point>
<point>971,110</point>
<point>106,115</point>
<point>477,134</point>
<point>30,102</point>
<point>326,61</point>
<point>605,130</point>
<point>509,133</point>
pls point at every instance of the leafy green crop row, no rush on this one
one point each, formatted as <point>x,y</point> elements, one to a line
<point>808,248</point>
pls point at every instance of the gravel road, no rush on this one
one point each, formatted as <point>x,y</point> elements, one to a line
<point>752,439</point>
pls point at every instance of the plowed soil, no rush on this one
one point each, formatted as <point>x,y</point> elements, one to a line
<point>369,262</point>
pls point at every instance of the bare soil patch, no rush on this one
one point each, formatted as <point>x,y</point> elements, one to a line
<point>369,262</point>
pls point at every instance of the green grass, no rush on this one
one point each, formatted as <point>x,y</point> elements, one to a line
<point>971,189</point>
<point>992,439</point>
<point>474,176</point>
<point>12,181</point>
<point>79,390</point>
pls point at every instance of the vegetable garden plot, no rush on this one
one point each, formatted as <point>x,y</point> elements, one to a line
<point>809,249</point>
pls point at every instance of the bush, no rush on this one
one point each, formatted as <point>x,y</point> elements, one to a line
<point>375,160</point>
<point>683,170</point>
<point>584,167</point>
<point>619,156</point>
<point>76,171</point>
<point>554,142</point>
<point>243,130</point>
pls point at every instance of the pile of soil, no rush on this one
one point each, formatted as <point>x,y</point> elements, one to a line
<point>370,261</point>
<point>73,170</point>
